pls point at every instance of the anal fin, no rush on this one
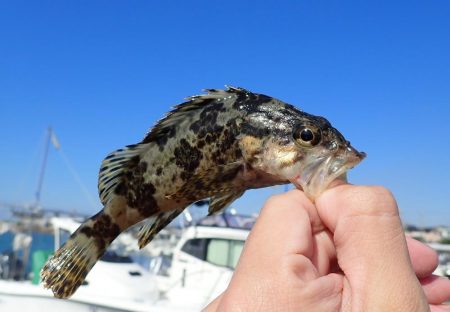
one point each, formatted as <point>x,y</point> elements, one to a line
<point>153,225</point>
<point>221,201</point>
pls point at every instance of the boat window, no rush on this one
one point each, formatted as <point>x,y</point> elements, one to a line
<point>218,251</point>
<point>224,252</point>
<point>195,247</point>
<point>235,252</point>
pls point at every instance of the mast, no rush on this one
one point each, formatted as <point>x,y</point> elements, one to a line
<point>44,164</point>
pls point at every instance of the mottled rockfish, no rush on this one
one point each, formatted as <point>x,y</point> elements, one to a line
<point>216,145</point>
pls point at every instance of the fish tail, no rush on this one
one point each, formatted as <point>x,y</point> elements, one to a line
<point>66,270</point>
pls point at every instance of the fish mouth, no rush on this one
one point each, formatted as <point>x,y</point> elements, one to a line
<point>320,171</point>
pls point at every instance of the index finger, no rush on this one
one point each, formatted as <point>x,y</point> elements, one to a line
<point>284,226</point>
<point>288,225</point>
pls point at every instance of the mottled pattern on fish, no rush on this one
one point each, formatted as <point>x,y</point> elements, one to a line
<point>216,146</point>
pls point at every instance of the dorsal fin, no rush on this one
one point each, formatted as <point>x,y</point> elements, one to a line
<point>113,167</point>
<point>165,126</point>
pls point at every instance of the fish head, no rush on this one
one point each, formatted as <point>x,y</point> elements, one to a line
<point>325,155</point>
<point>299,147</point>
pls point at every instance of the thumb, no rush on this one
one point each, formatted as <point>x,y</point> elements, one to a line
<point>358,214</point>
<point>370,245</point>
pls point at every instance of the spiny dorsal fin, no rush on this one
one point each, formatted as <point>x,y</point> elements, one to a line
<point>165,126</point>
<point>214,94</point>
<point>221,201</point>
<point>113,167</point>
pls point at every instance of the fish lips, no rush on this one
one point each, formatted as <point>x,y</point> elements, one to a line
<point>319,171</point>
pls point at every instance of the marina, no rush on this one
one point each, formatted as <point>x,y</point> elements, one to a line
<point>183,279</point>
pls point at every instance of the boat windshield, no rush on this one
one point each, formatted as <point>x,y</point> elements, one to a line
<point>112,256</point>
<point>234,221</point>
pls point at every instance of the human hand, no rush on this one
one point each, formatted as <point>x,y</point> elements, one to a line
<point>345,253</point>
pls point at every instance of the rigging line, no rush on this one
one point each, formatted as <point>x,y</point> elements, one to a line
<point>77,178</point>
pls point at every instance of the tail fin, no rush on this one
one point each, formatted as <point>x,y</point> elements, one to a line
<point>66,270</point>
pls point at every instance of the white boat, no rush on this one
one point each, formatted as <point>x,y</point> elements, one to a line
<point>204,259</point>
<point>115,283</point>
<point>443,251</point>
<point>202,264</point>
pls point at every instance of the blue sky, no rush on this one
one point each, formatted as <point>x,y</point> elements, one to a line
<point>102,72</point>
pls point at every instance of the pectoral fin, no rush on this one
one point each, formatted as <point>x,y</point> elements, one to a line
<point>113,168</point>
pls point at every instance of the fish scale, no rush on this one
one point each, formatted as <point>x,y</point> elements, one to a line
<point>216,145</point>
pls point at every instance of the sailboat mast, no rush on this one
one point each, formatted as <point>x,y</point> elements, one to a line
<point>44,164</point>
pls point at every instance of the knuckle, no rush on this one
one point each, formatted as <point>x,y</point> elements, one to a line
<point>374,200</point>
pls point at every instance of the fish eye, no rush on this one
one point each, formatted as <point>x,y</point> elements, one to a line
<point>307,136</point>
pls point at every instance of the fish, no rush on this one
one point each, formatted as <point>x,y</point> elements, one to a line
<point>214,146</point>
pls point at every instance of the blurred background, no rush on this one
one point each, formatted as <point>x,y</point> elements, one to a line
<point>79,79</point>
